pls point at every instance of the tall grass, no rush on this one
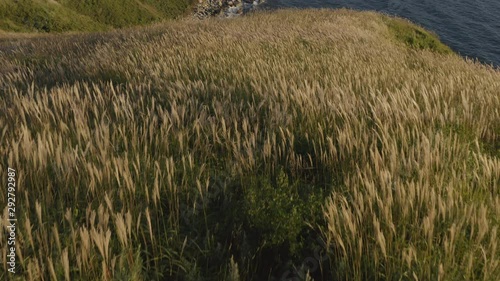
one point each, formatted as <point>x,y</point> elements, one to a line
<point>172,152</point>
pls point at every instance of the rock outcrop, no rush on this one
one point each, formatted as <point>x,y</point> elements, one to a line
<point>224,8</point>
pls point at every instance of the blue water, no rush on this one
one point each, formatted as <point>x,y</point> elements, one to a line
<point>470,27</point>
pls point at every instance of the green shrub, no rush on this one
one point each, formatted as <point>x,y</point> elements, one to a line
<point>278,208</point>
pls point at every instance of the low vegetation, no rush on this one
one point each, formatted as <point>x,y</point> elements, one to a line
<point>301,145</point>
<point>77,15</point>
<point>415,36</point>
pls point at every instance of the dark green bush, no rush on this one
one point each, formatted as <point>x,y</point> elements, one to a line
<point>278,208</point>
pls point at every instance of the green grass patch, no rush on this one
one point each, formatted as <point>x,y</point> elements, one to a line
<point>73,15</point>
<point>27,15</point>
<point>415,36</point>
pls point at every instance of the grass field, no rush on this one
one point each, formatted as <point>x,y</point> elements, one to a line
<point>301,145</point>
<point>78,15</point>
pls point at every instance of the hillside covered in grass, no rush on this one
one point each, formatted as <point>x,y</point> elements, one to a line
<point>301,145</point>
<point>78,15</point>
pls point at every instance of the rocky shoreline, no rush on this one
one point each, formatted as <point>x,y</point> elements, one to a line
<point>224,8</point>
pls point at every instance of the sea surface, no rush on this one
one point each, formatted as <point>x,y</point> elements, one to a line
<point>470,27</point>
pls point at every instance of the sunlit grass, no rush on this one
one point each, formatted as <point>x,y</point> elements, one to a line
<point>174,153</point>
<point>75,15</point>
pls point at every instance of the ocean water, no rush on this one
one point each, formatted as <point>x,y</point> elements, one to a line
<point>470,27</point>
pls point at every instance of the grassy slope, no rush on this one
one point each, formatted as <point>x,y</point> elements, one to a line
<point>76,15</point>
<point>172,152</point>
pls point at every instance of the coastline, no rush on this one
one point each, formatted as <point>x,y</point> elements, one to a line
<point>225,8</point>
